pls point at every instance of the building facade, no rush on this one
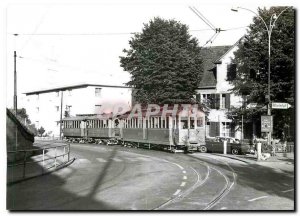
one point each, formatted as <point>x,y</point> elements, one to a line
<point>215,91</point>
<point>46,107</point>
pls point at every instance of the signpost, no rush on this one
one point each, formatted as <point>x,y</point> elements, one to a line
<point>252,105</point>
<point>266,123</point>
<point>280,105</point>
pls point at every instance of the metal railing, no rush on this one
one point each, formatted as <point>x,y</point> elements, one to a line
<point>282,148</point>
<point>60,151</point>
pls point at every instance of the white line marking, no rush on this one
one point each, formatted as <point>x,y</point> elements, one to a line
<point>132,159</point>
<point>223,208</point>
<point>116,160</point>
<point>83,160</point>
<point>183,171</point>
<point>182,184</point>
<point>177,192</point>
<point>285,191</point>
<point>144,159</point>
<point>257,198</point>
<point>178,166</point>
<point>184,177</point>
<point>101,160</point>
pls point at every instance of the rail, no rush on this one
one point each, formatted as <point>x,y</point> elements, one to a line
<point>47,154</point>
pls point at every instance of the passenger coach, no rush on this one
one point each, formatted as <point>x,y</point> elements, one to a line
<point>184,130</point>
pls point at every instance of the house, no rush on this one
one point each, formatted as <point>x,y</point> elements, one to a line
<point>46,107</point>
<point>215,91</point>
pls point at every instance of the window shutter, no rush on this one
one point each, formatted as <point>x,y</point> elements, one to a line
<point>213,101</point>
<point>214,129</point>
<point>217,101</point>
<point>231,72</point>
<point>227,101</point>
<point>198,97</point>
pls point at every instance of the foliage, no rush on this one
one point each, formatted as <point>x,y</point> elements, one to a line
<point>164,62</point>
<point>22,114</point>
<point>41,131</point>
<point>33,129</point>
<point>251,60</point>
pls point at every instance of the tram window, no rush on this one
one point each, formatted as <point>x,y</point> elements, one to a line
<point>184,124</point>
<point>146,123</point>
<point>192,123</point>
<point>200,122</point>
<point>155,122</point>
<point>167,122</point>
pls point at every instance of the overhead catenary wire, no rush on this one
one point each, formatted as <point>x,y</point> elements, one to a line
<point>202,18</point>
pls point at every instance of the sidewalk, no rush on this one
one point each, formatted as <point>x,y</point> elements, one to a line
<point>35,166</point>
<point>283,162</point>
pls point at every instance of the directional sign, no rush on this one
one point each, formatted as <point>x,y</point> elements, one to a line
<point>266,123</point>
<point>280,105</point>
<point>252,105</point>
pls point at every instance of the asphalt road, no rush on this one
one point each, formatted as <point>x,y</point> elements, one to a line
<point>119,178</point>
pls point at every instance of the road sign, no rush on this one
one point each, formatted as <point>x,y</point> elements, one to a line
<point>266,123</point>
<point>280,105</point>
<point>252,105</point>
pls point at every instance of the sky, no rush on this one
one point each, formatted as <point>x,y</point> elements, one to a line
<point>54,60</point>
<point>63,44</point>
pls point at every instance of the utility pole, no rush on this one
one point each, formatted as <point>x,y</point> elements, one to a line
<point>15,82</point>
<point>61,108</point>
<point>15,97</point>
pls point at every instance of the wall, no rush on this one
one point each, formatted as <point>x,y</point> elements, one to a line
<point>15,129</point>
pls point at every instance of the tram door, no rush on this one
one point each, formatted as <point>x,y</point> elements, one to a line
<point>116,128</point>
<point>183,130</point>
<point>83,130</point>
<point>193,135</point>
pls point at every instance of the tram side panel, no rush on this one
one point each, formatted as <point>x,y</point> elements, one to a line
<point>71,132</point>
<point>98,132</point>
<point>133,134</point>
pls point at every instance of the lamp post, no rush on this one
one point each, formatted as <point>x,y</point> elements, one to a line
<point>269,29</point>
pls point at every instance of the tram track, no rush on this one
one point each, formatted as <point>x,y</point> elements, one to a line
<point>228,186</point>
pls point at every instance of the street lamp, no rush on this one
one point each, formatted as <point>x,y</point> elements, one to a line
<point>269,29</point>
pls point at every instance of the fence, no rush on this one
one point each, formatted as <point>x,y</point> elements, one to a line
<point>284,148</point>
<point>38,162</point>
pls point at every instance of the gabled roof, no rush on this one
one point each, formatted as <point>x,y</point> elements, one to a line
<point>219,60</point>
<point>70,87</point>
<point>209,56</point>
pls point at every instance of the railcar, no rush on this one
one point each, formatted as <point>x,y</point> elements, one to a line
<point>183,131</point>
<point>86,127</point>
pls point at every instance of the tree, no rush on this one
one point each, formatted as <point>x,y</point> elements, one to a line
<point>23,116</point>
<point>164,62</point>
<point>251,61</point>
<point>41,131</point>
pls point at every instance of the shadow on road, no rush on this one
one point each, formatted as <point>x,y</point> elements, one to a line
<point>261,178</point>
<point>48,193</point>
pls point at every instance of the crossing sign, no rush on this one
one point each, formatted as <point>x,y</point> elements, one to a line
<point>280,105</point>
<point>266,123</point>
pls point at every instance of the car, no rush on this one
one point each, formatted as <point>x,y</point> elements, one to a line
<point>228,139</point>
<point>234,146</point>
